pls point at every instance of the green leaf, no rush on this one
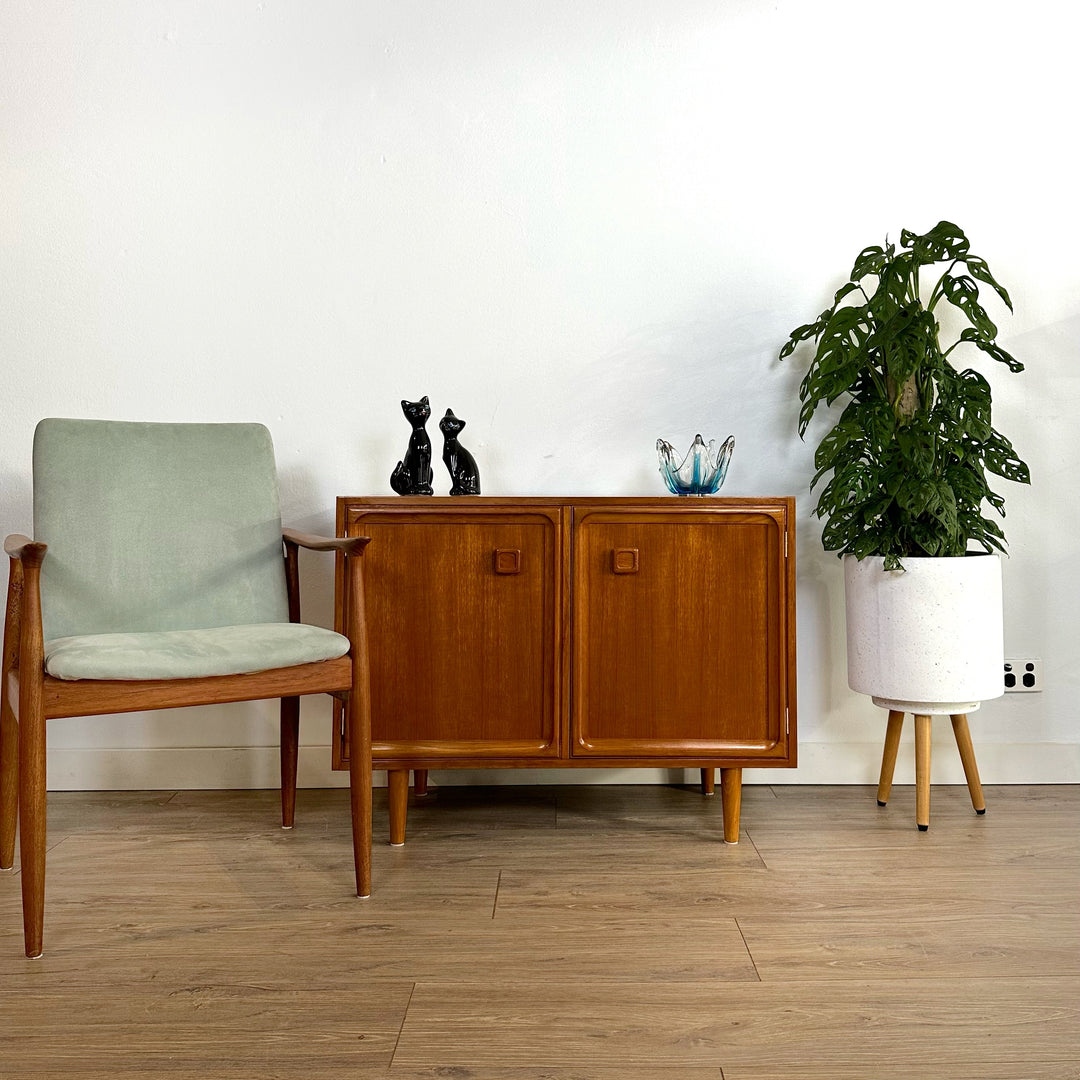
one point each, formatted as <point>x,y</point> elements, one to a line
<point>991,348</point>
<point>1002,460</point>
<point>963,293</point>
<point>869,261</point>
<point>845,290</point>
<point>945,241</point>
<point>916,445</point>
<point>978,269</point>
<point>799,335</point>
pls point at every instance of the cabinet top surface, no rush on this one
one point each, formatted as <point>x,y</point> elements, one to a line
<point>463,501</point>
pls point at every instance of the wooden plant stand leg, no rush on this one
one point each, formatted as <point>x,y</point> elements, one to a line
<point>888,756</point>
<point>922,772</point>
<point>420,787</point>
<point>398,782</point>
<point>967,757</point>
<point>708,781</point>
<point>731,797</point>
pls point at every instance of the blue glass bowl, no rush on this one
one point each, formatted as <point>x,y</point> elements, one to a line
<point>702,470</point>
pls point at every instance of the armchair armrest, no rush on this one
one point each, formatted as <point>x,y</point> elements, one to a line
<point>347,545</point>
<point>28,552</point>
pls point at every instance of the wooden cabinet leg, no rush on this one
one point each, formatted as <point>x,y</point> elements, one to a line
<point>922,772</point>
<point>290,741</point>
<point>398,782</point>
<point>967,757</point>
<point>888,756</point>
<point>420,782</point>
<point>731,796</point>
<point>708,781</point>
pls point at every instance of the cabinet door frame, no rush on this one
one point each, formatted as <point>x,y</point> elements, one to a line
<point>779,513</point>
<point>450,753</point>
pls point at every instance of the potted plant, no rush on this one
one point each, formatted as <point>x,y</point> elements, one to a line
<point>905,467</point>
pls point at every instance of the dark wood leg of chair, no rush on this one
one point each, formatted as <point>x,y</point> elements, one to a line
<point>888,756</point>
<point>9,784</point>
<point>708,781</point>
<point>967,757</point>
<point>398,782</point>
<point>32,818</point>
<point>290,742</point>
<point>922,772</point>
<point>731,795</point>
<point>420,782</point>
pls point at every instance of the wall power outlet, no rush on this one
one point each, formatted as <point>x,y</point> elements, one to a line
<point>1023,676</point>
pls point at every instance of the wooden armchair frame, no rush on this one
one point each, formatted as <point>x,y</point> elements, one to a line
<point>29,698</point>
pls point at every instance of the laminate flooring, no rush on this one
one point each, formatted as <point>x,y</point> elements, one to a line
<point>552,933</point>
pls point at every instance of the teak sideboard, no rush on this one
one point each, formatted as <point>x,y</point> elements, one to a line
<point>577,632</point>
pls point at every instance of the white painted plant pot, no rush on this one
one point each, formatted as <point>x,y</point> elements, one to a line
<point>927,639</point>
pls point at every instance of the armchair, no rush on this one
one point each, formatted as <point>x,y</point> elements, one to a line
<point>159,576</point>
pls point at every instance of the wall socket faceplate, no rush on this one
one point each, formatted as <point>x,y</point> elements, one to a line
<point>1023,676</point>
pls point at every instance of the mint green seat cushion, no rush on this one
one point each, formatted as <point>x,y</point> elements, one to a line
<point>191,654</point>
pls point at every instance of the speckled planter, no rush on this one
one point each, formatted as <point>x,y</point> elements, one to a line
<point>927,639</point>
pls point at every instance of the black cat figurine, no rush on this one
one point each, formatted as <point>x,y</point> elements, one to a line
<point>464,475</point>
<point>413,476</point>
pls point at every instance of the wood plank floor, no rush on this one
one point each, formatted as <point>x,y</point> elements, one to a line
<point>553,933</point>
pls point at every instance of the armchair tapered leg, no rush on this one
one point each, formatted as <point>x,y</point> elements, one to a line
<point>9,784</point>
<point>888,756</point>
<point>290,741</point>
<point>9,727</point>
<point>967,757</point>
<point>359,722</point>
<point>32,814</point>
<point>922,772</point>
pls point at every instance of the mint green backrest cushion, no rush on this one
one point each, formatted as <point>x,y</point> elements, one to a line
<point>156,526</point>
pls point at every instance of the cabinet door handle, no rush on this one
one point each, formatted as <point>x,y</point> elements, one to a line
<point>625,561</point>
<point>507,560</point>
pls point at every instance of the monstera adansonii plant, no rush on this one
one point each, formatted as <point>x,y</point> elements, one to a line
<point>911,450</point>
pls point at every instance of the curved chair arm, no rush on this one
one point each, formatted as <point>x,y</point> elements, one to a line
<point>347,545</point>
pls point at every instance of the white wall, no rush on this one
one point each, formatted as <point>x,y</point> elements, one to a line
<point>581,225</point>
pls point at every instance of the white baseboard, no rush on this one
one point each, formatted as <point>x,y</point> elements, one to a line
<point>164,768</point>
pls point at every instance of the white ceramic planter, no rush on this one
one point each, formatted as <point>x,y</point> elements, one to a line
<point>927,639</point>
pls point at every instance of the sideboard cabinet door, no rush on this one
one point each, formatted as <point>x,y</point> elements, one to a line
<point>464,612</point>
<point>679,630</point>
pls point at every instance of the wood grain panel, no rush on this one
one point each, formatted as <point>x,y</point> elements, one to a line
<point>461,653</point>
<point>551,932</point>
<point>201,1026</point>
<point>669,1027</point>
<point>929,946</point>
<point>964,892</point>
<point>684,656</point>
<point>986,1069</point>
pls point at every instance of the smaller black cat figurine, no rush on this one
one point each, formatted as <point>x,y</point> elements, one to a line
<point>413,476</point>
<point>464,475</point>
